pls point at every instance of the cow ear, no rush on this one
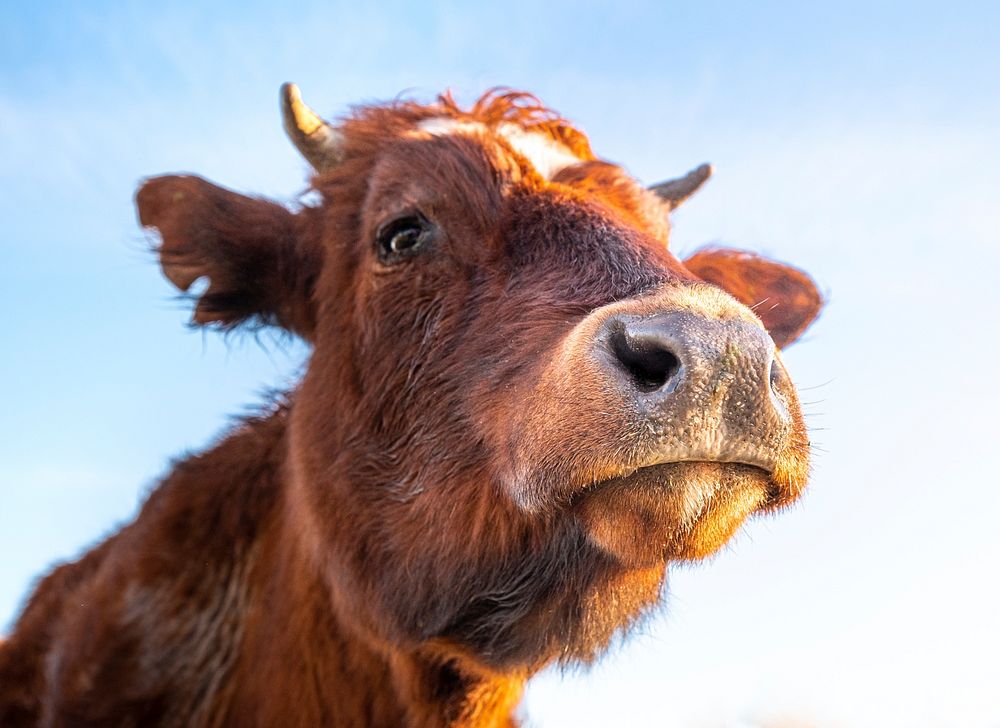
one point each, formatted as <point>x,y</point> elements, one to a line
<point>260,269</point>
<point>785,298</point>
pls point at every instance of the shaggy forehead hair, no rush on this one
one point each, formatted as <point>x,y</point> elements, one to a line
<point>516,117</point>
<point>368,127</point>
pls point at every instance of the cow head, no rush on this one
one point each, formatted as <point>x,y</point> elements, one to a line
<point>520,405</point>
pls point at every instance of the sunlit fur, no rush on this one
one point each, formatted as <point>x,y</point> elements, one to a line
<point>454,496</point>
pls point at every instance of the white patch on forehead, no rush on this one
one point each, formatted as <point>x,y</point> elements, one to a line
<point>443,125</point>
<point>546,155</point>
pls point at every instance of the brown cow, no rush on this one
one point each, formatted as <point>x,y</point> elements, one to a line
<point>519,408</point>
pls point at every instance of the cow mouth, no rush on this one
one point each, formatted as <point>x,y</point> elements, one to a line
<point>670,470</point>
<point>678,474</point>
<point>676,510</point>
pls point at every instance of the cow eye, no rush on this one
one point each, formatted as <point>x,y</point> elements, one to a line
<point>402,237</point>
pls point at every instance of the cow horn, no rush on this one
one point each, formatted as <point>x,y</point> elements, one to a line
<point>675,191</point>
<point>318,141</point>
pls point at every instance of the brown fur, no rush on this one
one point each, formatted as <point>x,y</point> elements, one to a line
<point>443,506</point>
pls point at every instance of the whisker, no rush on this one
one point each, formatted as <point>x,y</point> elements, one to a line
<point>817,386</point>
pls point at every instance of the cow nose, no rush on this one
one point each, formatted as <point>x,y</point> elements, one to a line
<point>708,388</point>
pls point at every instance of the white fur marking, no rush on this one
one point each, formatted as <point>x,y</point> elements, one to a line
<point>546,155</point>
<point>443,126</point>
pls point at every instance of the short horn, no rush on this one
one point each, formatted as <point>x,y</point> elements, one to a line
<point>319,142</point>
<point>675,191</point>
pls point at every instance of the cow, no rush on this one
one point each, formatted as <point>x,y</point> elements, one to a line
<point>519,408</point>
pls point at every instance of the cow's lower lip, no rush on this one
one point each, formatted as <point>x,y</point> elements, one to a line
<point>669,473</point>
<point>680,510</point>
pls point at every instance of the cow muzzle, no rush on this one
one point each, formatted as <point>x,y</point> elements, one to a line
<point>666,409</point>
<point>706,389</point>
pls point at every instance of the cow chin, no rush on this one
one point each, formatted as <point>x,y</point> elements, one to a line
<point>672,511</point>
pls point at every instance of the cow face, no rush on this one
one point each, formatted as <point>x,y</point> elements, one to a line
<point>520,405</point>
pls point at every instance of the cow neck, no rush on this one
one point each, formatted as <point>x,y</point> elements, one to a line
<point>310,664</point>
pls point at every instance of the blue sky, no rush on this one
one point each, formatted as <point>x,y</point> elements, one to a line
<point>857,142</point>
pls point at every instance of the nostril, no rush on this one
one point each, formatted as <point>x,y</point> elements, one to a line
<point>780,385</point>
<point>647,359</point>
<point>778,377</point>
